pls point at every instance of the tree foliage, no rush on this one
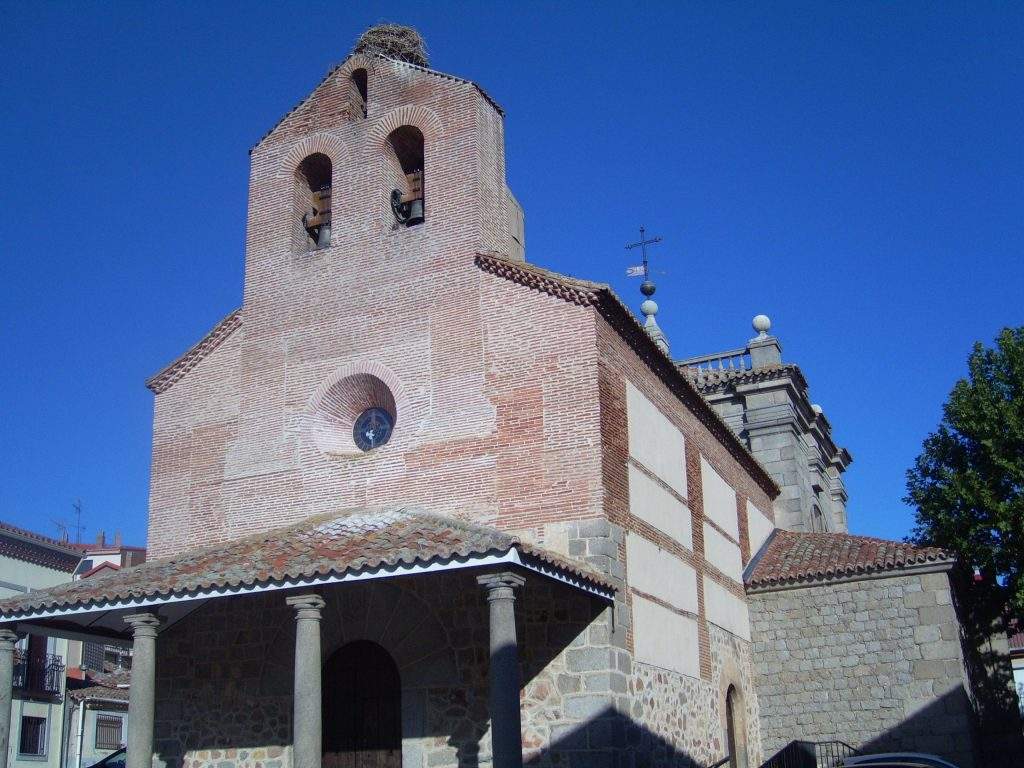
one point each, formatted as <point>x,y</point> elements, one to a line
<point>968,482</point>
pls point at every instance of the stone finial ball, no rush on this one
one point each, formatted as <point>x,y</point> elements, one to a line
<point>395,41</point>
<point>762,324</point>
<point>649,307</point>
<point>816,408</point>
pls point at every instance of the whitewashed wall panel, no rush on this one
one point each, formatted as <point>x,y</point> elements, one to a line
<point>719,500</point>
<point>660,573</point>
<point>665,639</point>
<point>654,441</point>
<point>657,506</point>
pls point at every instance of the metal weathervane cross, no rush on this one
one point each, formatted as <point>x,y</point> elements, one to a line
<point>641,270</point>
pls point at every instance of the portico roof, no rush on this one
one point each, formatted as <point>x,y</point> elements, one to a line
<point>326,549</point>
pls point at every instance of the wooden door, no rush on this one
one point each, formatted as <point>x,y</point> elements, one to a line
<point>362,708</point>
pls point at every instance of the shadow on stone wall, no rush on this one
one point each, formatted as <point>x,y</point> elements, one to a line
<point>612,739</point>
<point>944,727</point>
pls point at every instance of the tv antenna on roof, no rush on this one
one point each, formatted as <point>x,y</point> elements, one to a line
<point>77,506</point>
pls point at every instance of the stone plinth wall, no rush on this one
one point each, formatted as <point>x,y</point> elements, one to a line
<point>876,663</point>
<point>680,720</point>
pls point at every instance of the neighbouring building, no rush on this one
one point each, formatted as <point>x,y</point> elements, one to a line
<point>420,503</point>
<point>30,562</point>
<point>89,659</point>
<point>97,717</point>
<point>766,403</point>
<point>1016,644</point>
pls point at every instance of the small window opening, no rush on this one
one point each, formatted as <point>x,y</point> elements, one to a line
<point>312,203</point>
<point>108,732</point>
<point>32,741</point>
<point>407,198</point>
<point>360,99</point>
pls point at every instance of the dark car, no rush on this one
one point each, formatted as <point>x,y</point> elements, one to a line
<point>113,760</point>
<point>897,760</point>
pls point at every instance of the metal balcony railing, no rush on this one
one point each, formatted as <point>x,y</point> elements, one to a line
<point>39,675</point>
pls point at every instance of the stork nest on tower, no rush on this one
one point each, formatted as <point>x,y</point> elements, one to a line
<point>394,41</point>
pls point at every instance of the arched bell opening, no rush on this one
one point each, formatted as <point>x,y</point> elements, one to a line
<point>359,94</point>
<point>407,195</point>
<point>362,708</point>
<point>312,203</point>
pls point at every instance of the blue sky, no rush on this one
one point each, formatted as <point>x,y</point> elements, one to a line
<point>854,170</point>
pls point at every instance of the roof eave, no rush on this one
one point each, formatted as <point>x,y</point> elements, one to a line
<point>618,316</point>
<point>928,566</point>
<point>515,555</point>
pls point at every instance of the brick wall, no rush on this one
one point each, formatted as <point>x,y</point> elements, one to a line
<point>499,418</point>
<point>876,663</point>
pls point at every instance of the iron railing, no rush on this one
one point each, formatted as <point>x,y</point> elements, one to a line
<point>811,754</point>
<point>38,675</point>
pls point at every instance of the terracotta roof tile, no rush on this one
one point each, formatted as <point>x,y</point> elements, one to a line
<point>31,547</point>
<point>99,692</point>
<point>790,557</point>
<point>172,372</point>
<point>322,546</point>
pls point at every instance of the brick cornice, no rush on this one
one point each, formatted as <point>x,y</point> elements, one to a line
<point>165,378</point>
<point>618,316</point>
<point>361,58</point>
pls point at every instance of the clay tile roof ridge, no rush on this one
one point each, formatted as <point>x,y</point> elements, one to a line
<point>586,293</point>
<point>67,547</point>
<point>320,545</point>
<point>793,557</point>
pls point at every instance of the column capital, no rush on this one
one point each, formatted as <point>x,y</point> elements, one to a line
<point>500,585</point>
<point>307,606</point>
<point>143,624</point>
<point>8,637</point>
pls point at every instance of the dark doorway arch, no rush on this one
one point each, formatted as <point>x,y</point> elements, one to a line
<point>735,731</point>
<point>362,708</point>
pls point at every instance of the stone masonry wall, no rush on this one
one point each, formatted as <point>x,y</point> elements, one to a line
<point>680,720</point>
<point>876,663</point>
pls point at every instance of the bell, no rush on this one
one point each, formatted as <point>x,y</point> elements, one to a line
<point>415,212</point>
<point>323,239</point>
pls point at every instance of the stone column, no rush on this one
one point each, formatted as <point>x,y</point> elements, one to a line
<point>506,719</point>
<point>7,640</point>
<point>307,719</point>
<point>142,694</point>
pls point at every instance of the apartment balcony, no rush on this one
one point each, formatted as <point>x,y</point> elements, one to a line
<point>38,676</point>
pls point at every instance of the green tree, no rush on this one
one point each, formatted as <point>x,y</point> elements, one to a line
<point>968,482</point>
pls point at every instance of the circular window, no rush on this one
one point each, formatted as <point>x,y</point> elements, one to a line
<point>372,429</point>
<point>353,415</point>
